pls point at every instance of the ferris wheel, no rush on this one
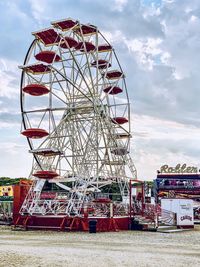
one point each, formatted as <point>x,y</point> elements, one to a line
<point>75,115</point>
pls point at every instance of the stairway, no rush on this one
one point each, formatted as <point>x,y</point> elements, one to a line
<point>140,222</point>
<point>148,216</point>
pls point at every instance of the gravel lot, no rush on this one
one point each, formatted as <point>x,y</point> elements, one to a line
<point>129,248</point>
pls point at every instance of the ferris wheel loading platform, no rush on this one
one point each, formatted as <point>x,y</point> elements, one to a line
<point>107,215</point>
<point>62,222</point>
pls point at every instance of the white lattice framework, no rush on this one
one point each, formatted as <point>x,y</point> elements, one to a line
<point>87,144</point>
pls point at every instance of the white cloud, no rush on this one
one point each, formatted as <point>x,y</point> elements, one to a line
<point>160,129</point>
<point>8,125</point>
<point>157,142</point>
<point>11,147</point>
<point>16,161</point>
<point>16,11</point>
<point>113,37</point>
<point>38,9</point>
<point>9,78</point>
<point>146,51</point>
<point>193,18</point>
<point>120,5</point>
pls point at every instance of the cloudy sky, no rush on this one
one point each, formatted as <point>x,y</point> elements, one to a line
<point>157,43</point>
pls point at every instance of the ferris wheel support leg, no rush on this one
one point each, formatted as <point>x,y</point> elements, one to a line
<point>63,223</point>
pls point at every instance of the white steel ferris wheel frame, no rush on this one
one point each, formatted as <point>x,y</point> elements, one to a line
<point>80,117</point>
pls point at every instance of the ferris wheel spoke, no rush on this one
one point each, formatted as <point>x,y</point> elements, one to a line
<point>80,71</point>
<point>87,58</point>
<point>73,85</point>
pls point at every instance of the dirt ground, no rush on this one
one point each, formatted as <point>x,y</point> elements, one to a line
<point>129,248</point>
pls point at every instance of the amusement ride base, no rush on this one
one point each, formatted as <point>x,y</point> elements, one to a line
<point>66,223</point>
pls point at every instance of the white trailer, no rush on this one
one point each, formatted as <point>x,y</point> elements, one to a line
<point>183,209</point>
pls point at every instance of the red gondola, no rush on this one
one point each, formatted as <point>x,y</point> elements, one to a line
<point>86,30</point>
<point>46,152</point>
<point>35,89</point>
<point>122,135</point>
<point>120,151</point>
<point>68,42</point>
<point>113,90</point>
<point>35,133</point>
<point>37,69</point>
<point>48,37</point>
<point>114,74</point>
<point>101,64</point>
<point>65,24</point>
<point>119,120</point>
<point>104,48</point>
<point>85,47</point>
<point>46,174</point>
<point>48,56</point>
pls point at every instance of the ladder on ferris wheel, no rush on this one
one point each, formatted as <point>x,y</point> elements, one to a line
<point>76,202</point>
<point>131,166</point>
<point>30,203</point>
<point>74,206</point>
